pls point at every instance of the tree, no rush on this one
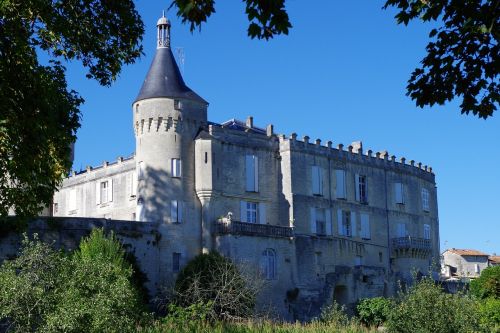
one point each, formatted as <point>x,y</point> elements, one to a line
<point>462,58</point>
<point>29,285</point>
<point>215,280</point>
<point>488,283</point>
<point>40,115</point>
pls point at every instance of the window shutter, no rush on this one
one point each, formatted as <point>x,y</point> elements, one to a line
<point>340,223</point>
<point>256,173</point>
<point>262,213</point>
<point>139,211</point>
<point>314,179</point>
<point>356,181</point>
<point>134,184</point>
<point>97,192</point>
<point>243,211</point>
<point>427,231</point>
<point>320,181</point>
<point>140,170</point>
<point>110,190</point>
<point>313,220</point>
<point>353,224</point>
<point>365,226</point>
<point>180,211</point>
<point>173,211</point>
<point>250,173</point>
<point>340,190</point>
<point>398,188</point>
<point>179,168</point>
<point>328,218</point>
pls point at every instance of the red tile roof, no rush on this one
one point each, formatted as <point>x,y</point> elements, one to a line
<point>467,252</point>
<point>495,259</point>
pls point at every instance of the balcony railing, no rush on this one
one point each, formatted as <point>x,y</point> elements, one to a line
<point>225,226</point>
<point>409,243</point>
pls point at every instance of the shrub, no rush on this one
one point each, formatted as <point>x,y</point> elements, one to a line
<point>29,285</point>
<point>98,294</point>
<point>214,279</point>
<point>374,311</point>
<point>488,283</point>
<point>334,315</point>
<point>489,313</point>
<point>426,308</point>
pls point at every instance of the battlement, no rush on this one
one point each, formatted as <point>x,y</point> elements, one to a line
<point>164,124</point>
<point>106,164</point>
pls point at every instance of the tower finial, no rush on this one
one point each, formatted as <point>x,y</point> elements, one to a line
<point>163,27</point>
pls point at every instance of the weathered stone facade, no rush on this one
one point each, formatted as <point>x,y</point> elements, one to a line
<point>319,222</point>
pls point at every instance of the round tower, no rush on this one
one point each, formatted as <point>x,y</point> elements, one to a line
<point>167,116</point>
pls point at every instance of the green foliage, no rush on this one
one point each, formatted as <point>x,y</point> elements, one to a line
<point>40,115</point>
<point>488,283</point>
<point>267,18</point>
<point>214,279</point>
<point>489,314</point>
<point>374,311</point>
<point>29,285</point>
<point>334,315</point>
<point>91,290</point>
<point>426,308</point>
<point>462,57</point>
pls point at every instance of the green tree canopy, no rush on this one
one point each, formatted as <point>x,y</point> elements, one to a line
<point>40,115</point>
<point>488,283</point>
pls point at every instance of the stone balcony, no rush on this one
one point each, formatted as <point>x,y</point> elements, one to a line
<point>411,247</point>
<point>231,227</point>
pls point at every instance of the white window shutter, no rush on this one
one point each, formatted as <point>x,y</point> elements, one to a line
<point>256,173</point>
<point>398,189</point>
<point>313,220</point>
<point>243,211</point>
<point>97,192</point>
<point>250,173</point>
<point>180,211</point>
<point>365,226</point>
<point>314,179</point>
<point>356,182</point>
<point>328,218</point>
<point>427,231</point>
<point>262,213</point>
<point>173,210</point>
<point>340,190</point>
<point>320,181</point>
<point>340,223</point>
<point>353,224</point>
<point>179,168</point>
<point>139,211</point>
<point>110,190</point>
<point>134,184</point>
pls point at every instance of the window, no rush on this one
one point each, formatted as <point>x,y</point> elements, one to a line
<point>253,212</point>
<point>340,190</point>
<point>317,180</point>
<point>346,223</point>
<point>358,261</point>
<point>321,223</point>
<point>56,208</point>
<point>176,262</point>
<point>361,189</point>
<point>380,256</point>
<point>176,168</point>
<point>139,210</point>
<point>399,193</point>
<point>268,264</point>
<point>401,230</point>
<point>252,173</point>
<point>177,104</point>
<point>176,208</point>
<point>476,268</point>
<point>72,200</point>
<point>104,191</point>
<point>365,226</point>
<point>425,199</point>
<point>427,231</point>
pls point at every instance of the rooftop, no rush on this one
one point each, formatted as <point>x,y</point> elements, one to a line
<point>467,252</point>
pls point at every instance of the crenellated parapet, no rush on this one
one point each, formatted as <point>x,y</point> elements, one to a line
<point>159,125</point>
<point>354,153</point>
<point>90,170</point>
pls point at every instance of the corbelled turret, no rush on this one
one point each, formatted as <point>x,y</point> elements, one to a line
<point>164,78</point>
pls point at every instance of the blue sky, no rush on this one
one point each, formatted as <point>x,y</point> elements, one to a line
<point>340,75</point>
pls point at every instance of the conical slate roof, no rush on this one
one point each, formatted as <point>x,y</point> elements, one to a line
<point>165,80</point>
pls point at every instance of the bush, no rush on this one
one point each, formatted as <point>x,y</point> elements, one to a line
<point>374,311</point>
<point>29,285</point>
<point>426,308</point>
<point>488,283</point>
<point>214,279</point>
<point>334,315</point>
<point>489,312</point>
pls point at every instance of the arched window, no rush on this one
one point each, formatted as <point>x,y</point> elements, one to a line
<point>268,264</point>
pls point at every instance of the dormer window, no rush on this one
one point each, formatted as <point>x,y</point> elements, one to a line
<point>177,104</point>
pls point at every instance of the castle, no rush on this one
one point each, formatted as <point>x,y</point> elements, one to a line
<point>317,222</point>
